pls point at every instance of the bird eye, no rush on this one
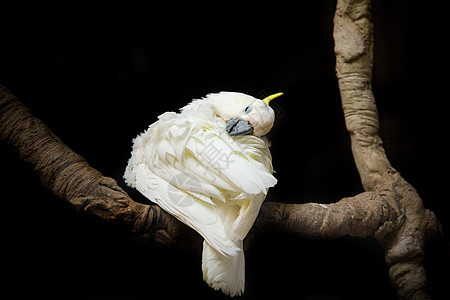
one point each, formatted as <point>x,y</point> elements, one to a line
<point>247,109</point>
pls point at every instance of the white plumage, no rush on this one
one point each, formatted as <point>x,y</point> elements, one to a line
<point>199,166</point>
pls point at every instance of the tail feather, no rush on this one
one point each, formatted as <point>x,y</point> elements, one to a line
<point>225,273</point>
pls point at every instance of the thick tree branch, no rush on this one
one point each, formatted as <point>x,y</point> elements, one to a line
<point>353,34</point>
<point>69,176</point>
<point>358,216</point>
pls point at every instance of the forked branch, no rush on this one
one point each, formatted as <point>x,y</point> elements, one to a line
<point>404,239</point>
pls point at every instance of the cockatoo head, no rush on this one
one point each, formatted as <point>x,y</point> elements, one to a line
<point>242,113</point>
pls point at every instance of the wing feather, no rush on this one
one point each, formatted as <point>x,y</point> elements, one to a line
<point>190,210</point>
<point>202,176</point>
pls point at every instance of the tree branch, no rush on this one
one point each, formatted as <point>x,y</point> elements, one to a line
<point>67,175</point>
<point>359,216</point>
<point>353,34</point>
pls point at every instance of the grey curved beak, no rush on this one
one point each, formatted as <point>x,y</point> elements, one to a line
<point>238,126</point>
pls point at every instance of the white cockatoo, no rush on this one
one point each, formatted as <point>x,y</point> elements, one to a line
<point>211,168</point>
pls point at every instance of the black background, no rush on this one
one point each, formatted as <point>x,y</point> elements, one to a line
<point>98,76</point>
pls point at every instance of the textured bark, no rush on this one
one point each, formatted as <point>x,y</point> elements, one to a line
<point>404,238</point>
<point>68,176</point>
<point>390,210</point>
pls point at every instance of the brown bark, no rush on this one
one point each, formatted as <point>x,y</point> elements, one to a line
<point>390,210</point>
<point>68,176</point>
<point>404,238</point>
